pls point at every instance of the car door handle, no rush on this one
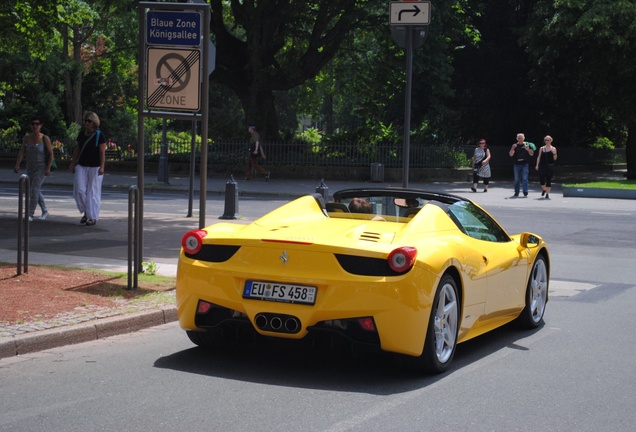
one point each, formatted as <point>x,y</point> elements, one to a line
<point>485,259</point>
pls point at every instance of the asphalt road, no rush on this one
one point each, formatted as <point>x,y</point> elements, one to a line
<point>574,373</point>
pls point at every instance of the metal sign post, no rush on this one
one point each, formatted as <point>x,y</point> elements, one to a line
<point>174,59</point>
<point>409,21</point>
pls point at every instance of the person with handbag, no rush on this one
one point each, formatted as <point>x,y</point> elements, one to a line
<point>481,165</point>
<point>37,149</point>
<point>256,150</point>
<point>87,163</point>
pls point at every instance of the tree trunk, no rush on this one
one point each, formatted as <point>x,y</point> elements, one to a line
<point>260,110</point>
<point>73,77</point>
<point>257,64</point>
<point>329,120</point>
<point>630,151</point>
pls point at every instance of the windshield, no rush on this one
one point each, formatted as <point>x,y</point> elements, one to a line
<point>395,205</point>
<point>476,223</point>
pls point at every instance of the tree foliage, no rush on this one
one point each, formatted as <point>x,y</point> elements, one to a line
<point>588,49</point>
<point>488,68</point>
<point>272,46</point>
<point>80,56</point>
<point>362,89</point>
<point>493,87</point>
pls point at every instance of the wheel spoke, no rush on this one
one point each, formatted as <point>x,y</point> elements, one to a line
<point>445,323</point>
<point>539,290</point>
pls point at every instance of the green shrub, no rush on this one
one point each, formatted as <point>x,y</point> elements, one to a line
<point>603,143</point>
<point>311,136</point>
<point>150,267</point>
<point>11,133</point>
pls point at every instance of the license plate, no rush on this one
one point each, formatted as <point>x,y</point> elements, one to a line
<point>278,292</point>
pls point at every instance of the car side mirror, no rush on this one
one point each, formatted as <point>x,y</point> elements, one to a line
<point>528,240</point>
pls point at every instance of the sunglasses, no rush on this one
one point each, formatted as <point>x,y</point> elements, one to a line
<point>482,143</point>
<point>35,123</point>
<point>88,121</point>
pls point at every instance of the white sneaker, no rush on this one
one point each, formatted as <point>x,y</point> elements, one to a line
<point>30,218</point>
<point>44,215</point>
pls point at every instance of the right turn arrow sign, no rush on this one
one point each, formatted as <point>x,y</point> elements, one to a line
<point>410,13</point>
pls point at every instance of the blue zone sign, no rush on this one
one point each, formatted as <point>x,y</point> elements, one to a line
<point>173,28</point>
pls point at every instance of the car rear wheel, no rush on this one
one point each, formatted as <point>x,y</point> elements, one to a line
<point>212,338</point>
<point>536,295</point>
<point>441,335</point>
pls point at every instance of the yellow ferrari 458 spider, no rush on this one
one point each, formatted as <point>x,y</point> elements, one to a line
<point>400,270</point>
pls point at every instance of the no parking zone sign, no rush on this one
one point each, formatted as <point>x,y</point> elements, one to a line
<point>173,79</point>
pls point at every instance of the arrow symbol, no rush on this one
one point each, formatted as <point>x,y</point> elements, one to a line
<point>415,11</point>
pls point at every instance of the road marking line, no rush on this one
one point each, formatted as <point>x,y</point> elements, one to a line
<point>568,289</point>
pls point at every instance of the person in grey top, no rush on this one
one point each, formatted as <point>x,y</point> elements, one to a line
<point>36,149</point>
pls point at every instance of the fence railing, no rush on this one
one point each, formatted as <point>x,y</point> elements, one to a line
<point>234,152</point>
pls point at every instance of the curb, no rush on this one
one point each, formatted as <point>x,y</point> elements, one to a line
<point>99,329</point>
<point>587,192</point>
<point>154,188</point>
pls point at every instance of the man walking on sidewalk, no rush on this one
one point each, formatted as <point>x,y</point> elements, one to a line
<point>256,150</point>
<point>521,152</point>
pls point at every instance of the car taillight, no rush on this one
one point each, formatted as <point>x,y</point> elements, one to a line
<point>367,323</point>
<point>402,259</point>
<point>193,241</point>
<point>203,307</point>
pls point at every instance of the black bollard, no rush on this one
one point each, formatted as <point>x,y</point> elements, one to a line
<point>231,199</point>
<point>323,190</point>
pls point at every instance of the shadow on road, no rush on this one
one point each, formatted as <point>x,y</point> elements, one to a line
<point>294,364</point>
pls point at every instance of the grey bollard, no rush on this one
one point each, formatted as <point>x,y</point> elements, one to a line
<point>323,190</point>
<point>231,199</point>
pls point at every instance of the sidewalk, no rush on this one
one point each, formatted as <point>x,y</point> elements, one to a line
<point>82,327</point>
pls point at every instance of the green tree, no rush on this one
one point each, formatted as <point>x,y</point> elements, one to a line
<point>493,87</point>
<point>272,45</point>
<point>363,87</point>
<point>357,85</point>
<point>75,35</point>
<point>588,47</point>
<point>27,83</point>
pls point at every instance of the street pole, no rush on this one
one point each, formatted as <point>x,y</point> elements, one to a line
<point>407,107</point>
<point>409,20</point>
<point>193,158</point>
<point>162,176</point>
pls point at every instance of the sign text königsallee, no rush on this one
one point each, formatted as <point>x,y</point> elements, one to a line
<point>173,28</point>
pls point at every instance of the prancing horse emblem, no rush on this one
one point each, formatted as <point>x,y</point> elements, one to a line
<point>283,257</point>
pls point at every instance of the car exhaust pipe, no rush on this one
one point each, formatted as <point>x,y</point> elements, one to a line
<point>276,323</point>
<point>292,325</point>
<point>261,321</point>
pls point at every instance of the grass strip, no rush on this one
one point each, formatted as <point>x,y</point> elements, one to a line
<point>606,184</point>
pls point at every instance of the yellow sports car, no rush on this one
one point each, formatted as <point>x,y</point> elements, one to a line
<point>400,270</point>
